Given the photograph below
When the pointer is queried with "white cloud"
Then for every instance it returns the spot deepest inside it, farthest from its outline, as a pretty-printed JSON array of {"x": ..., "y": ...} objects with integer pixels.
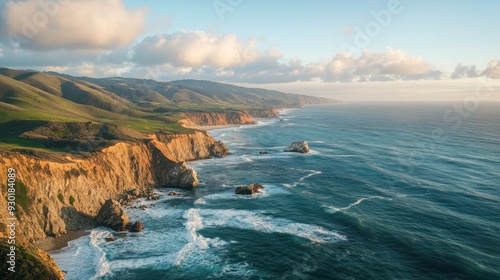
[
  {"x": 493, "y": 69},
  {"x": 195, "y": 49},
  {"x": 370, "y": 66},
  {"x": 75, "y": 24}
]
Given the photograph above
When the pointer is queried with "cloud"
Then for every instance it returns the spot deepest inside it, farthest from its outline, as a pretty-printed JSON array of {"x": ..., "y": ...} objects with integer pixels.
[
  {"x": 370, "y": 66},
  {"x": 195, "y": 49},
  {"x": 75, "y": 24},
  {"x": 464, "y": 71},
  {"x": 493, "y": 69},
  {"x": 226, "y": 58}
]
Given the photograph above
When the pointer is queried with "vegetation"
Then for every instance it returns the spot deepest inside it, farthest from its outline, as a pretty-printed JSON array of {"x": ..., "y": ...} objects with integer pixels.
[
  {"x": 71, "y": 200},
  {"x": 60, "y": 197},
  {"x": 35, "y": 105},
  {"x": 22, "y": 198},
  {"x": 29, "y": 263}
]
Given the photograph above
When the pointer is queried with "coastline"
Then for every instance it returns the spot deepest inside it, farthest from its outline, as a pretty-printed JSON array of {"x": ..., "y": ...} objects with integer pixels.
[
  {"x": 50, "y": 244},
  {"x": 212, "y": 127}
]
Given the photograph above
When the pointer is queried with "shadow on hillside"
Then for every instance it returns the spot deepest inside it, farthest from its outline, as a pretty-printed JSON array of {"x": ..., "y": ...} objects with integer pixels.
[{"x": 76, "y": 220}]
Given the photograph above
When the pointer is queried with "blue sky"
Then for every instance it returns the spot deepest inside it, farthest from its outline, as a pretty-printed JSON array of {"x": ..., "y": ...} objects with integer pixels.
[
  {"x": 443, "y": 32},
  {"x": 255, "y": 42}
]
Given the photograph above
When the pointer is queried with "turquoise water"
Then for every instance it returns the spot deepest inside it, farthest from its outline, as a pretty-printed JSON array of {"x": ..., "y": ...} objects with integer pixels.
[{"x": 388, "y": 191}]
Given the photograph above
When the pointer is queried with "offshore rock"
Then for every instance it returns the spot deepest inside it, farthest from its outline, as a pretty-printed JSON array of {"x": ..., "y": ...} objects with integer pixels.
[
  {"x": 136, "y": 227},
  {"x": 111, "y": 215},
  {"x": 298, "y": 147},
  {"x": 249, "y": 190}
]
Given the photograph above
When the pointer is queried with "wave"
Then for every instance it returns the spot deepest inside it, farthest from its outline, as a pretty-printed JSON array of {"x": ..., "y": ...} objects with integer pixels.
[
  {"x": 196, "y": 242},
  {"x": 85, "y": 250},
  {"x": 332, "y": 209},
  {"x": 302, "y": 179},
  {"x": 262, "y": 222}
]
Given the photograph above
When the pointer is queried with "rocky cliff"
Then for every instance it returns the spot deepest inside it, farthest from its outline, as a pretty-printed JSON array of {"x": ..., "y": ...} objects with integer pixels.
[
  {"x": 230, "y": 117},
  {"x": 58, "y": 193},
  {"x": 31, "y": 263}
]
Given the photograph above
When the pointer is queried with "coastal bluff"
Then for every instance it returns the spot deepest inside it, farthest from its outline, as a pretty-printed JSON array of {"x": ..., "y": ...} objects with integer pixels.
[
  {"x": 57, "y": 192},
  {"x": 228, "y": 117}
]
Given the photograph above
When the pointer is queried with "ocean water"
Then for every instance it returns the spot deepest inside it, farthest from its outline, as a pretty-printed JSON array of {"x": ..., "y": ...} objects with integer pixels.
[{"x": 388, "y": 191}]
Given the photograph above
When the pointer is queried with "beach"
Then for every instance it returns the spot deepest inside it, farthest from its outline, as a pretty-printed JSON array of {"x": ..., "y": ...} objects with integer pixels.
[{"x": 57, "y": 243}]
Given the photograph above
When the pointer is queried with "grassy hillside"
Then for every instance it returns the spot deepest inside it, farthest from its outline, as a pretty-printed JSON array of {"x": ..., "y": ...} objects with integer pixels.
[{"x": 39, "y": 109}]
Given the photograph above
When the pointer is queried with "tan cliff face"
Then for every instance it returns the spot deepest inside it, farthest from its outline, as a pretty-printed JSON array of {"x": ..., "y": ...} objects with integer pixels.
[
  {"x": 223, "y": 118},
  {"x": 219, "y": 118},
  {"x": 60, "y": 194}
]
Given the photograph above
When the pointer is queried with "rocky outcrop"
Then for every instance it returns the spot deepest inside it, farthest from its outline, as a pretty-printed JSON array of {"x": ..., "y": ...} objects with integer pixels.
[
  {"x": 249, "y": 190},
  {"x": 111, "y": 215},
  {"x": 188, "y": 147},
  {"x": 136, "y": 227},
  {"x": 298, "y": 147},
  {"x": 60, "y": 192},
  {"x": 219, "y": 118},
  {"x": 224, "y": 118},
  {"x": 264, "y": 113},
  {"x": 30, "y": 263}
]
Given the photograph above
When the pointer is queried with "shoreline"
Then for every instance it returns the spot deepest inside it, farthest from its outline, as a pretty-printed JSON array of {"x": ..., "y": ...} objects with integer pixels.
[
  {"x": 50, "y": 244},
  {"x": 212, "y": 127}
]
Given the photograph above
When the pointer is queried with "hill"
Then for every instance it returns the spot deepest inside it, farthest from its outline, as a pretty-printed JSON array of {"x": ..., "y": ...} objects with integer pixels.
[{"x": 32, "y": 102}]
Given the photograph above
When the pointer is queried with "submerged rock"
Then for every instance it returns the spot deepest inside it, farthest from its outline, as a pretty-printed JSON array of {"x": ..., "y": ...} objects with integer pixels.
[
  {"x": 110, "y": 239},
  {"x": 136, "y": 227},
  {"x": 298, "y": 147},
  {"x": 249, "y": 190},
  {"x": 111, "y": 215},
  {"x": 263, "y": 152}
]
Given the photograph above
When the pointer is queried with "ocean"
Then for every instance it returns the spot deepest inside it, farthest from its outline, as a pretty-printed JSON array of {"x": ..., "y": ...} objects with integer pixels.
[{"x": 388, "y": 191}]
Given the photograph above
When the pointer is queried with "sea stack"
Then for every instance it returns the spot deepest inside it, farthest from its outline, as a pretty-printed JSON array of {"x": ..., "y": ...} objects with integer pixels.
[
  {"x": 111, "y": 215},
  {"x": 298, "y": 147},
  {"x": 249, "y": 190}
]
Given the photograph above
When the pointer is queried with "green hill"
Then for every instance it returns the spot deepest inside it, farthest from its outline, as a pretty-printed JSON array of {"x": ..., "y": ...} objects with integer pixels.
[{"x": 38, "y": 108}]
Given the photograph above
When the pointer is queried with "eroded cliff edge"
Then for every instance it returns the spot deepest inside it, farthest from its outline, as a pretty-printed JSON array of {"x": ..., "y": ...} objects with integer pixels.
[
  {"x": 56, "y": 194},
  {"x": 228, "y": 117}
]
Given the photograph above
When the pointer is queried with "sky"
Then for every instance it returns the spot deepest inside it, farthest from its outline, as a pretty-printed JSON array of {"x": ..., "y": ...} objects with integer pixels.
[{"x": 327, "y": 48}]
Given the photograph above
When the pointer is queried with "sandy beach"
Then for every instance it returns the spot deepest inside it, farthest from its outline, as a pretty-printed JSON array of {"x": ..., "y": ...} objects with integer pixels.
[{"x": 56, "y": 243}]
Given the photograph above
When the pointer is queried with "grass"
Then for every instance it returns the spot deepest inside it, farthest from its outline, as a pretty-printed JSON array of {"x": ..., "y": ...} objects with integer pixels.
[
  {"x": 30, "y": 99},
  {"x": 22, "y": 198}
]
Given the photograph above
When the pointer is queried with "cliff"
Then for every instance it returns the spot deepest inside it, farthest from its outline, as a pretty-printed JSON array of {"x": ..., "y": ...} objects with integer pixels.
[
  {"x": 31, "y": 263},
  {"x": 229, "y": 117},
  {"x": 59, "y": 193}
]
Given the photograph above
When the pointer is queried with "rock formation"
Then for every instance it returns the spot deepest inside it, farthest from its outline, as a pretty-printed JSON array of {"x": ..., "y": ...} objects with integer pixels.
[
  {"x": 219, "y": 118},
  {"x": 249, "y": 190},
  {"x": 298, "y": 147},
  {"x": 229, "y": 117},
  {"x": 111, "y": 215},
  {"x": 136, "y": 227},
  {"x": 60, "y": 192}
]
